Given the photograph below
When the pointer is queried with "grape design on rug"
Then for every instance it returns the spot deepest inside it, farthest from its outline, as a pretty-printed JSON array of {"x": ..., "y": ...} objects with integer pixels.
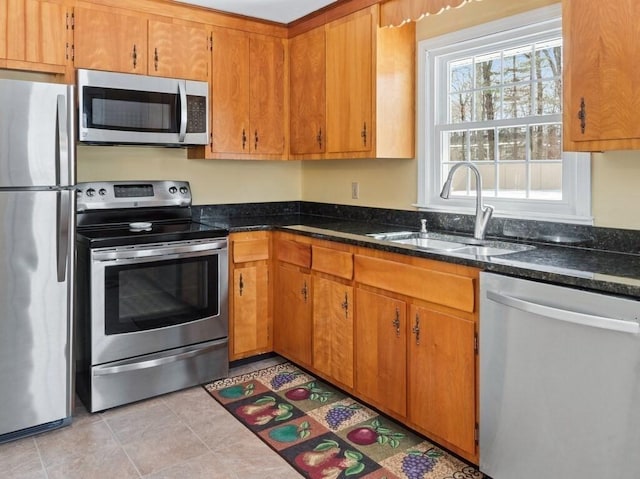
[{"x": 325, "y": 434}]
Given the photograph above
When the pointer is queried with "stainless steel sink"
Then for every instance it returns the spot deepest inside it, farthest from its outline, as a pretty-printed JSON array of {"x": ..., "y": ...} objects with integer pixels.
[{"x": 452, "y": 244}]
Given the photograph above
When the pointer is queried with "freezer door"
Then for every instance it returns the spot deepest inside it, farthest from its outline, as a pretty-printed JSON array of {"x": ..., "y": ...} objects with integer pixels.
[
  {"x": 35, "y": 307},
  {"x": 36, "y": 134}
]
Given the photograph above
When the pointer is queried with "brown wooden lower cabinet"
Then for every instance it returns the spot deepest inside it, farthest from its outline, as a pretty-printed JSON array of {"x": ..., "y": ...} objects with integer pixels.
[
  {"x": 249, "y": 295},
  {"x": 381, "y": 351},
  {"x": 333, "y": 330},
  {"x": 399, "y": 332},
  {"x": 441, "y": 376}
]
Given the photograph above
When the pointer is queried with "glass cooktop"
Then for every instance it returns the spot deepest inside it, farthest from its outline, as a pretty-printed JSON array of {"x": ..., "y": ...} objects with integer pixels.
[{"x": 159, "y": 232}]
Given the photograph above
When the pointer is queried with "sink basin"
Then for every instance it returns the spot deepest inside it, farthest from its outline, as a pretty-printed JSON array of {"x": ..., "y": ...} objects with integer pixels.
[
  {"x": 492, "y": 250},
  {"x": 453, "y": 244},
  {"x": 430, "y": 243}
]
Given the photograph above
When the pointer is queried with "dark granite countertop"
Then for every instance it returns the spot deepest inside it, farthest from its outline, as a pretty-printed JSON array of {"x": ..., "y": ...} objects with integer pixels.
[{"x": 580, "y": 267}]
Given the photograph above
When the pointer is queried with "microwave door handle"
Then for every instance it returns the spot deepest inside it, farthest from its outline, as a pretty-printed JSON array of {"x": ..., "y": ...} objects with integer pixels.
[{"x": 183, "y": 109}]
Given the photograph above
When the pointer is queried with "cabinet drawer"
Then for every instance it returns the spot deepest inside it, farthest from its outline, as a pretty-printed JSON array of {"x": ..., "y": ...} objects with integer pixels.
[
  {"x": 429, "y": 285},
  {"x": 330, "y": 261},
  {"x": 294, "y": 253},
  {"x": 252, "y": 250}
]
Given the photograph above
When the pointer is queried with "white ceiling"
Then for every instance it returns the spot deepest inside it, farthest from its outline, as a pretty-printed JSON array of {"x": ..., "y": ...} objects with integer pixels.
[{"x": 281, "y": 11}]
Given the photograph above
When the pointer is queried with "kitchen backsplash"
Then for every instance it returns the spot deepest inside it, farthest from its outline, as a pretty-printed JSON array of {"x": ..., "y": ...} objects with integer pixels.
[{"x": 609, "y": 239}]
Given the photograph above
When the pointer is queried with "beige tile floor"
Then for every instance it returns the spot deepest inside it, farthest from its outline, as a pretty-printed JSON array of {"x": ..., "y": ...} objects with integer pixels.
[{"x": 186, "y": 434}]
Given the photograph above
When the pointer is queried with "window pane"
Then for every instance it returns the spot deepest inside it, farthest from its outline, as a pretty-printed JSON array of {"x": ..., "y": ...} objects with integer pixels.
[
  {"x": 512, "y": 144},
  {"x": 513, "y": 180},
  {"x": 488, "y": 70},
  {"x": 517, "y": 65},
  {"x": 461, "y": 75},
  {"x": 546, "y": 181},
  {"x": 548, "y": 97},
  {"x": 482, "y": 145},
  {"x": 548, "y": 60},
  {"x": 488, "y": 172},
  {"x": 455, "y": 142},
  {"x": 487, "y": 105},
  {"x": 517, "y": 101},
  {"x": 546, "y": 142},
  {"x": 460, "y": 107}
]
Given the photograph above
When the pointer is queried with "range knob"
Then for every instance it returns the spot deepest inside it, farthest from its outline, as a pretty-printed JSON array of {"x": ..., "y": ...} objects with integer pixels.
[
  {"x": 91, "y": 192},
  {"x": 183, "y": 190},
  {"x": 173, "y": 190},
  {"x": 102, "y": 192}
]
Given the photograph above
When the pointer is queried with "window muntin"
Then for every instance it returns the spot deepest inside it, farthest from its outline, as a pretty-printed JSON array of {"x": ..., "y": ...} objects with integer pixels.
[{"x": 495, "y": 99}]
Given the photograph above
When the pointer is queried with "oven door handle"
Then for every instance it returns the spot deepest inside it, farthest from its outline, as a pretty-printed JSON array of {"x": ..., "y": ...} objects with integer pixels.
[
  {"x": 159, "y": 360},
  {"x": 164, "y": 251}
]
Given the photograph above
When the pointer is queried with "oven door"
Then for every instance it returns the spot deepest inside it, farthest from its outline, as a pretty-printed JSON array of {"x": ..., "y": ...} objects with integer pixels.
[{"x": 151, "y": 298}]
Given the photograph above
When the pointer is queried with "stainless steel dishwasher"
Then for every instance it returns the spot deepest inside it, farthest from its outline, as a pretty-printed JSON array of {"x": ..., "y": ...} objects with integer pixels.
[{"x": 559, "y": 382}]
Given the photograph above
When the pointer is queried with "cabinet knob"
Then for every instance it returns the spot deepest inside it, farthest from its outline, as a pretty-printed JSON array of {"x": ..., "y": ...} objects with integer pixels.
[
  {"x": 241, "y": 285},
  {"x": 319, "y": 138},
  {"x": 244, "y": 138},
  {"x": 255, "y": 146},
  {"x": 345, "y": 305},
  {"x": 363, "y": 134},
  {"x": 582, "y": 115},
  {"x": 304, "y": 291},
  {"x": 396, "y": 323},
  {"x": 156, "y": 58},
  {"x": 416, "y": 329},
  {"x": 134, "y": 55}
]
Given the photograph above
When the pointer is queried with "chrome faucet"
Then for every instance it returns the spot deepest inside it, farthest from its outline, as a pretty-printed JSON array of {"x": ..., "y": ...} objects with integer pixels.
[{"x": 483, "y": 212}]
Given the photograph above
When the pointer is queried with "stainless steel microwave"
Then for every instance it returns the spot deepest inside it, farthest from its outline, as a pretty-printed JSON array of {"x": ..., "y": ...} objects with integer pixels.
[{"x": 120, "y": 108}]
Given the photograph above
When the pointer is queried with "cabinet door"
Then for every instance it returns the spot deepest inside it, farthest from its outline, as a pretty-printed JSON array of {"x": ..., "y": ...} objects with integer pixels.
[
  {"x": 230, "y": 91},
  {"x": 292, "y": 314},
  {"x": 266, "y": 93},
  {"x": 333, "y": 330},
  {"x": 602, "y": 48},
  {"x": 349, "y": 83},
  {"x": 250, "y": 313},
  {"x": 34, "y": 31},
  {"x": 442, "y": 376},
  {"x": 381, "y": 350},
  {"x": 110, "y": 41},
  {"x": 178, "y": 51},
  {"x": 307, "y": 93}
]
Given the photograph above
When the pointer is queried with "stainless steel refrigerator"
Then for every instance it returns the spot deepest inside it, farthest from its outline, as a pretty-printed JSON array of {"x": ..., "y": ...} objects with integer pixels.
[{"x": 37, "y": 238}]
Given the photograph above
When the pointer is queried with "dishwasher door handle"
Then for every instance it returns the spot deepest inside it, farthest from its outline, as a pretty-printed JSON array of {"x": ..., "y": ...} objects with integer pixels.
[{"x": 566, "y": 315}]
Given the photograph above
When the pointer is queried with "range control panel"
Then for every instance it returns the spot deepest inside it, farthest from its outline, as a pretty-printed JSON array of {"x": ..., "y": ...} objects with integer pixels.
[{"x": 104, "y": 195}]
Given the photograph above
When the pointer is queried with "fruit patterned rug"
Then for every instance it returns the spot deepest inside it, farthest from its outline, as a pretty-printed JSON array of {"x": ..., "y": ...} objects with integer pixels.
[{"x": 325, "y": 434}]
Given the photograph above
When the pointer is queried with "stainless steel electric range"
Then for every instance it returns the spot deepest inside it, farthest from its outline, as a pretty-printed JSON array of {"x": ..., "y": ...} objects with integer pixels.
[{"x": 152, "y": 312}]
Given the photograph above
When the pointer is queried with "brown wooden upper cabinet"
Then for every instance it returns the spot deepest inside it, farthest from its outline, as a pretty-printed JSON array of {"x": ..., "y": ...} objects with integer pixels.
[
  {"x": 247, "y": 96},
  {"x": 601, "y": 71},
  {"x": 133, "y": 43},
  {"x": 369, "y": 90},
  {"x": 106, "y": 40},
  {"x": 307, "y": 93},
  {"x": 33, "y": 35},
  {"x": 178, "y": 50}
]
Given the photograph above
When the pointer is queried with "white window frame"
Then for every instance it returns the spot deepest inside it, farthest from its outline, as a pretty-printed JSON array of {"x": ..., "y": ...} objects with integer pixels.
[{"x": 575, "y": 207}]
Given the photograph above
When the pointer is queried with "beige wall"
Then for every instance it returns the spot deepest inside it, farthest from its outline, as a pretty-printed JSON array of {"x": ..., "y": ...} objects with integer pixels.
[
  {"x": 392, "y": 183},
  {"x": 212, "y": 181},
  {"x": 383, "y": 183}
]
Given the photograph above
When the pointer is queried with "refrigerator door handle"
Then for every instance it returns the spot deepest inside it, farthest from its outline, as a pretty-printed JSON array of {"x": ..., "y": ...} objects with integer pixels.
[
  {"x": 62, "y": 142},
  {"x": 63, "y": 217}
]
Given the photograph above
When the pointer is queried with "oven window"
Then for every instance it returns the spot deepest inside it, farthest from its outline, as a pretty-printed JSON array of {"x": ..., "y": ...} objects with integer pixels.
[{"x": 145, "y": 296}]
